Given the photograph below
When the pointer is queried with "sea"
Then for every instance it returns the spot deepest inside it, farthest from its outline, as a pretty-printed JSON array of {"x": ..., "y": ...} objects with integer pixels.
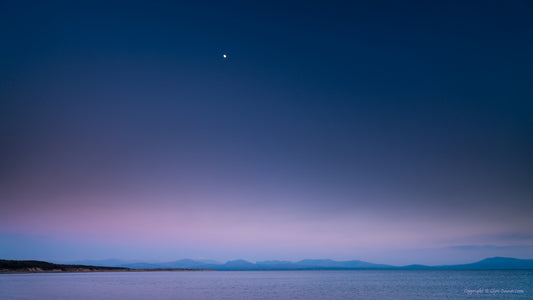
[{"x": 317, "y": 284}]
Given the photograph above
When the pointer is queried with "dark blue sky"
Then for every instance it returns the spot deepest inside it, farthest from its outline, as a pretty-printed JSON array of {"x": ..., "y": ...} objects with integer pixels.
[{"x": 379, "y": 125}]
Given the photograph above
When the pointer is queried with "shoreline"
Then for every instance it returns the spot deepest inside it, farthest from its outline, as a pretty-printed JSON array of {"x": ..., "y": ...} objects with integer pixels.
[{"x": 34, "y": 271}]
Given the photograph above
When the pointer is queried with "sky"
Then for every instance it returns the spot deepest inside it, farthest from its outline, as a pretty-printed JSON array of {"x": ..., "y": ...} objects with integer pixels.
[{"x": 390, "y": 131}]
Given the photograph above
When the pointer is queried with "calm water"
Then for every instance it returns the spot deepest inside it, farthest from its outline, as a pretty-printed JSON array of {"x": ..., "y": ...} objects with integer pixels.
[{"x": 271, "y": 285}]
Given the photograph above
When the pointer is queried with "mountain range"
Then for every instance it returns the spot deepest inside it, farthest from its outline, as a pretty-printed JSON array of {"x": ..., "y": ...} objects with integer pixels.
[{"x": 494, "y": 263}]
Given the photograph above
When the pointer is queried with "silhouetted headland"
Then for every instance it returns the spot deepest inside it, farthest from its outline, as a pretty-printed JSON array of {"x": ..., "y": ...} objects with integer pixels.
[{"x": 35, "y": 266}]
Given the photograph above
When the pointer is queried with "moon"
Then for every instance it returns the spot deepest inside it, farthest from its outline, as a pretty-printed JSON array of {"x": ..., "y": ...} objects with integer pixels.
[{"x": 224, "y": 56}]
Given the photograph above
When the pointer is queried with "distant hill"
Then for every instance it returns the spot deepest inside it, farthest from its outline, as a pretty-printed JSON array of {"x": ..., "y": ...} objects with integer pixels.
[
  {"x": 416, "y": 267},
  {"x": 102, "y": 262},
  {"x": 494, "y": 263},
  {"x": 331, "y": 264},
  {"x": 234, "y": 265},
  {"x": 328, "y": 264},
  {"x": 138, "y": 266},
  {"x": 189, "y": 264}
]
